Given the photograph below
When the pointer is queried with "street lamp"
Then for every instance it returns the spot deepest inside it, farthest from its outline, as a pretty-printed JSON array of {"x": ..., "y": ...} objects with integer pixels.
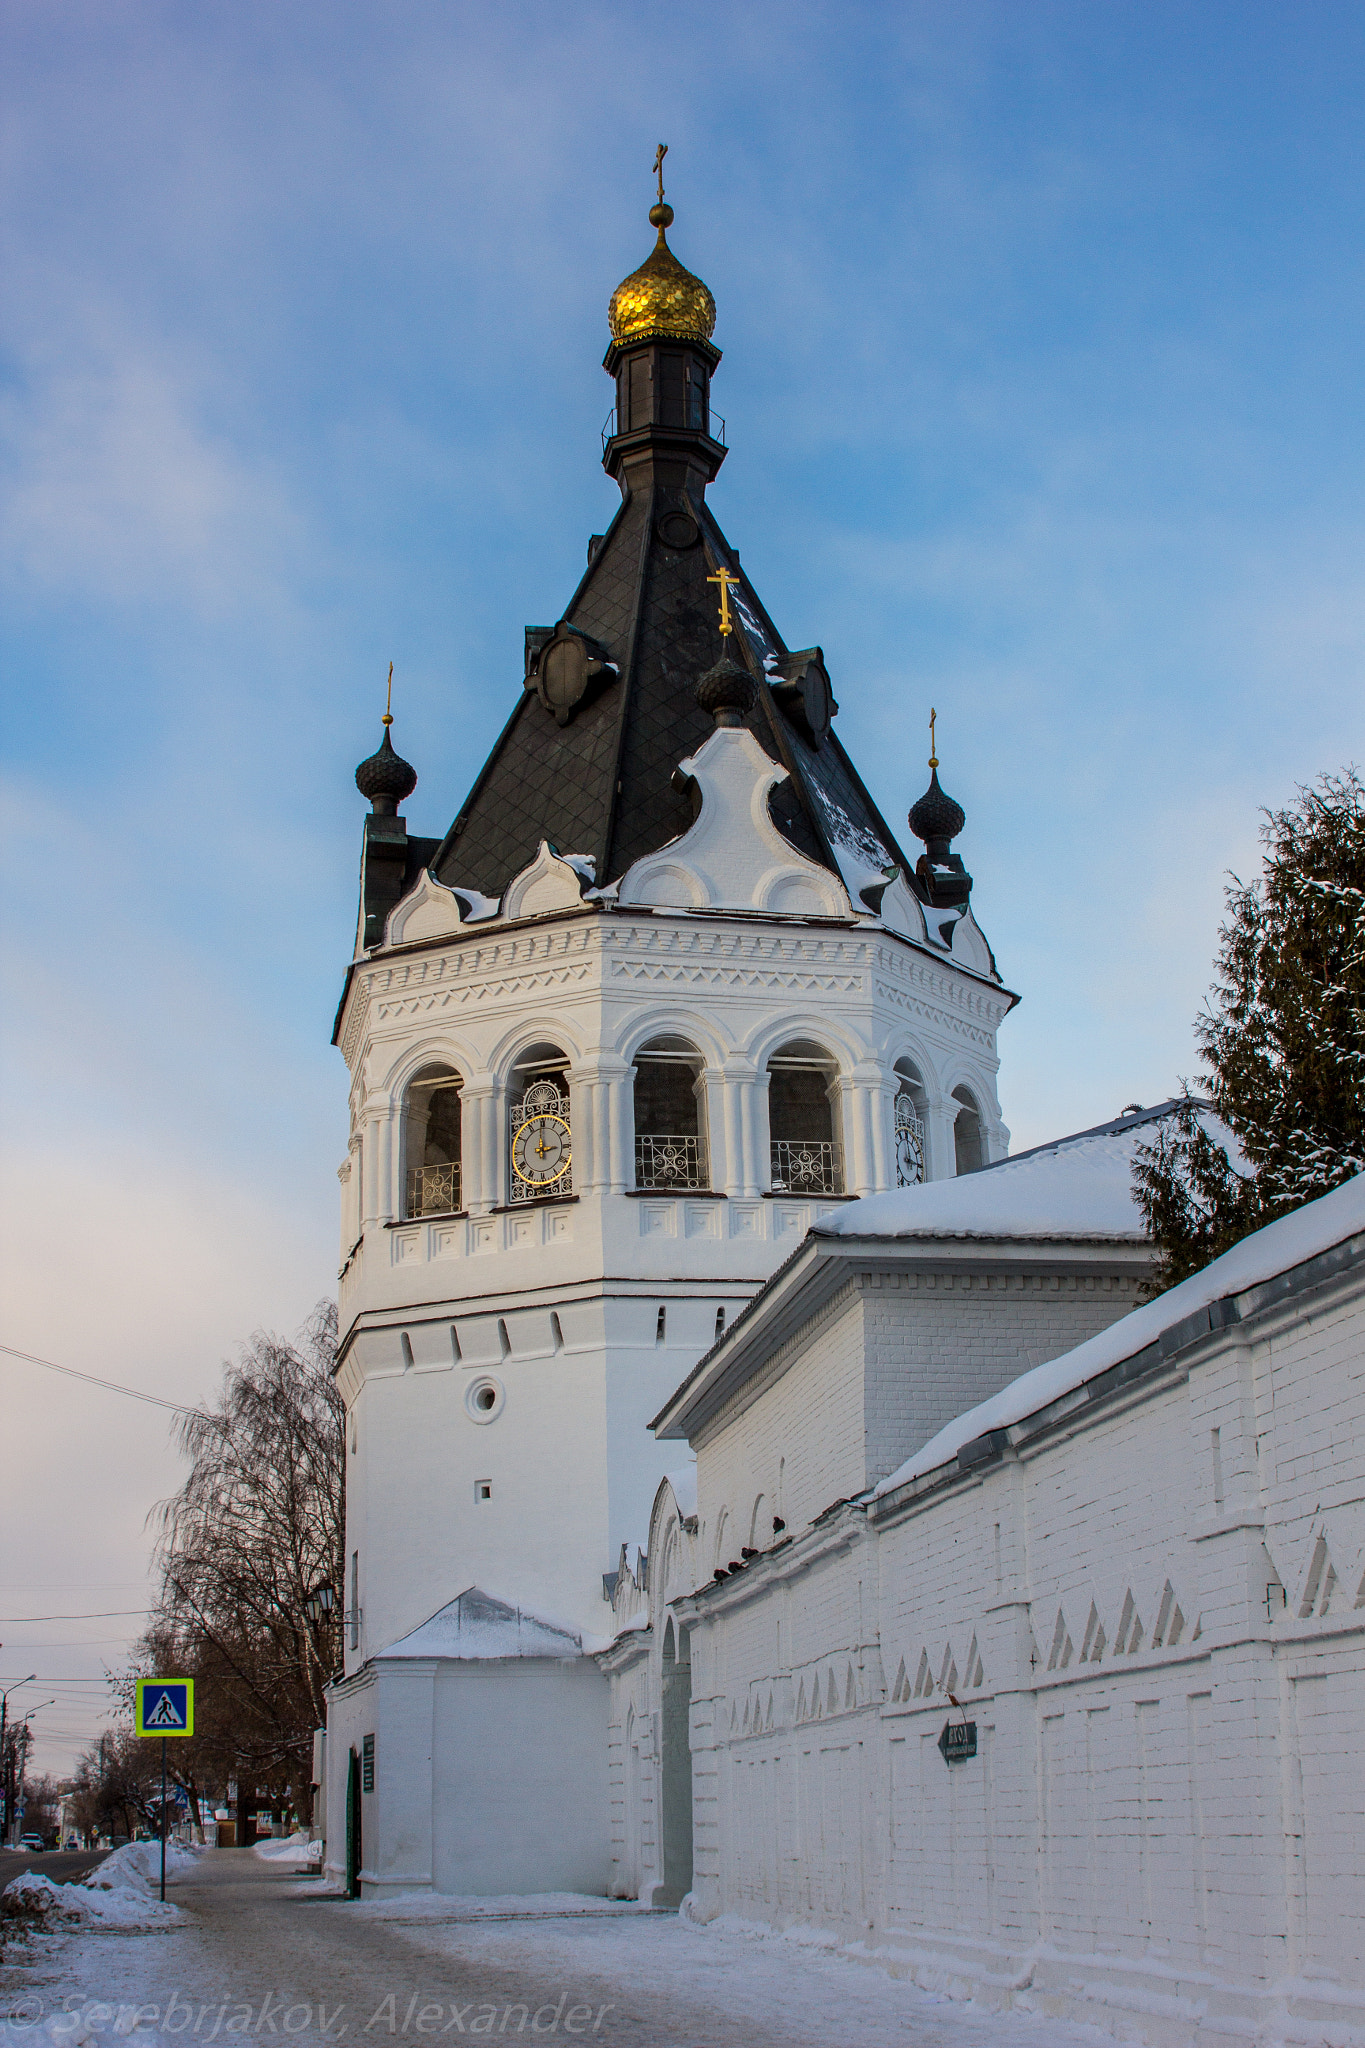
[
  {"x": 319, "y": 1602},
  {"x": 4, "y": 1769}
]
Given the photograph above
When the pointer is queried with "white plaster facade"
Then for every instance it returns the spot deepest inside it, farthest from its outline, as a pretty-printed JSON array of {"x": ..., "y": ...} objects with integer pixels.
[
  {"x": 1139, "y": 1573},
  {"x": 500, "y": 1362}
]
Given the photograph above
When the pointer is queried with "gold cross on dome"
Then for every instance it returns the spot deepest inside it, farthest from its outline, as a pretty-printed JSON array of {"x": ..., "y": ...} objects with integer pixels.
[
  {"x": 660, "y": 153},
  {"x": 724, "y": 579},
  {"x": 933, "y": 744},
  {"x": 388, "y": 708}
]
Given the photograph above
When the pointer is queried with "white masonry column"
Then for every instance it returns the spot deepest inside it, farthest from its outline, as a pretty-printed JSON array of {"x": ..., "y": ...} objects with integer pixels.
[
  {"x": 711, "y": 1101},
  {"x": 940, "y": 1117},
  {"x": 859, "y": 1099},
  {"x": 616, "y": 1083},
  {"x": 583, "y": 1132},
  {"x": 387, "y": 1207},
  {"x": 475, "y": 1108},
  {"x": 370, "y": 1182},
  {"x": 883, "y": 1137},
  {"x": 742, "y": 1173}
]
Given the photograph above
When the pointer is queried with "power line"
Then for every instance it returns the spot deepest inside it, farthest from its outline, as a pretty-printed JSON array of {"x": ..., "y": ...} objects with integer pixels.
[
  {"x": 101, "y": 1614},
  {"x": 110, "y": 1386}
]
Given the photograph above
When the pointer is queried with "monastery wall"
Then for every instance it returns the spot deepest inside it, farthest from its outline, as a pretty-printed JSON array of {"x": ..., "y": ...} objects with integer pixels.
[{"x": 1153, "y": 1613}]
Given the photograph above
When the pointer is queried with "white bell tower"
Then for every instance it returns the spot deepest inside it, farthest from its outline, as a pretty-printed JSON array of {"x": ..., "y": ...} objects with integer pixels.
[{"x": 667, "y": 993}]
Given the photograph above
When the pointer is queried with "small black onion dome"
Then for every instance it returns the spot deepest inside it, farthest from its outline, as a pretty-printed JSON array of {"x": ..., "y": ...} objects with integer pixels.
[
  {"x": 727, "y": 691},
  {"x": 936, "y": 818},
  {"x": 386, "y": 778}
]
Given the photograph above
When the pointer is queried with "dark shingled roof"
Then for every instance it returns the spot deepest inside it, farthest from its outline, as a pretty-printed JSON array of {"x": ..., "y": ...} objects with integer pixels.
[{"x": 603, "y": 784}]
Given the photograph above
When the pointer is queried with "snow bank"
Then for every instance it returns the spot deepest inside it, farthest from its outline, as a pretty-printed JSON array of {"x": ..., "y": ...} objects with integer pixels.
[
  {"x": 1315, "y": 1228},
  {"x": 296, "y": 1848},
  {"x": 120, "y": 1894},
  {"x": 136, "y": 1868},
  {"x": 469, "y": 1908}
]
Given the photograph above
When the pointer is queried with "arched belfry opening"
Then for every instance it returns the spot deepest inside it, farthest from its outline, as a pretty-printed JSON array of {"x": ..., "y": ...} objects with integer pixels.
[
  {"x": 802, "y": 1126},
  {"x": 910, "y": 1115},
  {"x": 670, "y": 1121},
  {"x": 539, "y": 1126},
  {"x": 675, "y": 1767},
  {"x": 969, "y": 1138},
  {"x": 431, "y": 1142}
]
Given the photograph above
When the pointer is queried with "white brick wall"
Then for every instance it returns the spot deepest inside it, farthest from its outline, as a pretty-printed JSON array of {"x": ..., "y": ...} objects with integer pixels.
[{"x": 1167, "y": 1808}]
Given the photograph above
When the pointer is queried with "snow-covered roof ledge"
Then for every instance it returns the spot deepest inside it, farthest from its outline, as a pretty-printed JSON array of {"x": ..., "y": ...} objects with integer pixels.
[
  {"x": 476, "y": 1625},
  {"x": 1244, "y": 1280},
  {"x": 1070, "y": 1200}
]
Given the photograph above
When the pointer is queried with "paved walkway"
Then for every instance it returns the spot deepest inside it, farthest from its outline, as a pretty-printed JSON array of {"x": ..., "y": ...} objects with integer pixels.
[
  {"x": 63, "y": 1866},
  {"x": 262, "y": 1954}
]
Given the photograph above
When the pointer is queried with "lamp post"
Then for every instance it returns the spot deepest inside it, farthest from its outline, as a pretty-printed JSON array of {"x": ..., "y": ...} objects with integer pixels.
[{"x": 4, "y": 1752}]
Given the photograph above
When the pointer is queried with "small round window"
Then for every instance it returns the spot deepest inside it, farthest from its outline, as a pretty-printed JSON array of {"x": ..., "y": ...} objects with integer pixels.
[{"x": 484, "y": 1397}]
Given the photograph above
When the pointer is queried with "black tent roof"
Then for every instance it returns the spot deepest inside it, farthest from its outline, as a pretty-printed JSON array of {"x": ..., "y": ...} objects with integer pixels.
[{"x": 603, "y": 785}]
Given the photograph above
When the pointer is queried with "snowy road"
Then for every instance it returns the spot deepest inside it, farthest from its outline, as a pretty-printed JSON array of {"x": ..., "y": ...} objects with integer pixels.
[{"x": 263, "y": 1955}]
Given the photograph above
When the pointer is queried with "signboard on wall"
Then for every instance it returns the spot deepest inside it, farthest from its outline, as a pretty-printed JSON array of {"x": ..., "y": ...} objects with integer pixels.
[{"x": 958, "y": 1741}]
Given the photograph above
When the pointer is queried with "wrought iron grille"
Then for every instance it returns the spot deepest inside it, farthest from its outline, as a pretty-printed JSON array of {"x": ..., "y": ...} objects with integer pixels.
[
  {"x": 909, "y": 1143},
  {"x": 804, "y": 1166},
  {"x": 433, "y": 1190},
  {"x": 542, "y": 1098},
  {"x": 669, "y": 1163}
]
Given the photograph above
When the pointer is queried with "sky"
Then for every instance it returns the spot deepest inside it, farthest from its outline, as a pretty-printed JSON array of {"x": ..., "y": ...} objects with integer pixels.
[{"x": 1043, "y": 380}]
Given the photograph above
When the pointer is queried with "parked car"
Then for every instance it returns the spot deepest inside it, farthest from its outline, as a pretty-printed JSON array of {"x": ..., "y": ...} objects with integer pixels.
[{"x": 33, "y": 1843}]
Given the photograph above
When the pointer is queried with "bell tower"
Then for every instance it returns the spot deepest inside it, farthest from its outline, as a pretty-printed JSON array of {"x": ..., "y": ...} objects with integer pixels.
[{"x": 666, "y": 992}]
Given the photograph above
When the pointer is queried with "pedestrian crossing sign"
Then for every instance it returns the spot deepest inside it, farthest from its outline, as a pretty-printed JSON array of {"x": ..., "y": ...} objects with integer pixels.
[{"x": 165, "y": 1706}]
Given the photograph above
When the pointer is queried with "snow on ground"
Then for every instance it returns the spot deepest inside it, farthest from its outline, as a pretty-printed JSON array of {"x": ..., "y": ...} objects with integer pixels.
[
  {"x": 655, "y": 1980},
  {"x": 296, "y": 1849}
]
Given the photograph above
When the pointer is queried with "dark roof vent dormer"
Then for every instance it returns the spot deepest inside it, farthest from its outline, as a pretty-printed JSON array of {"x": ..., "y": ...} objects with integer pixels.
[{"x": 567, "y": 670}]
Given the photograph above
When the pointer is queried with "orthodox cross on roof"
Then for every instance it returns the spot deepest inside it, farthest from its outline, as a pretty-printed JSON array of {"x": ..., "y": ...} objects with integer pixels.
[
  {"x": 388, "y": 702},
  {"x": 933, "y": 744},
  {"x": 660, "y": 153},
  {"x": 724, "y": 579}
]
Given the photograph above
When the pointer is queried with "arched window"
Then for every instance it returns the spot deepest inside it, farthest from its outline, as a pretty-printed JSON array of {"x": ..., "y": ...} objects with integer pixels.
[
  {"x": 539, "y": 1135},
  {"x": 969, "y": 1148},
  {"x": 431, "y": 1142},
  {"x": 670, "y": 1135},
  {"x": 909, "y": 1116},
  {"x": 804, "y": 1143}
]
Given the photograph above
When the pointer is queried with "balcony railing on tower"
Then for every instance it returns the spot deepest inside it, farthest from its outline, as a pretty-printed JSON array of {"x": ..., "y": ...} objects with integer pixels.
[
  {"x": 669, "y": 1162},
  {"x": 433, "y": 1190},
  {"x": 804, "y": 1166}
]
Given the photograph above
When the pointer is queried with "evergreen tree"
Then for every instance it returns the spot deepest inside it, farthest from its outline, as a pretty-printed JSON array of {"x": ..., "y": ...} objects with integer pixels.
[{"x": 1283, "y": 1041}]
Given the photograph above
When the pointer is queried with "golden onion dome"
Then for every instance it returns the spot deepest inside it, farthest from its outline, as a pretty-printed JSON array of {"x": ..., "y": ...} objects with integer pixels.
[{"x": 661, "y": 300}]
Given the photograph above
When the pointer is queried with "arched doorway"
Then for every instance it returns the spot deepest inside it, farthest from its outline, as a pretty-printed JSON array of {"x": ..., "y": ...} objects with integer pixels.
[{"x": 675, "y": 1768}]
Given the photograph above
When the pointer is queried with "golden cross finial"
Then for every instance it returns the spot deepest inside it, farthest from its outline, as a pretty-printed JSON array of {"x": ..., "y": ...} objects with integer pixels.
[
  {"x": 660, "y": 153},
  {"x": 724, "y": 579},
  {"x": 933, "y": 745},
  {"x": 388, "y": 708}
]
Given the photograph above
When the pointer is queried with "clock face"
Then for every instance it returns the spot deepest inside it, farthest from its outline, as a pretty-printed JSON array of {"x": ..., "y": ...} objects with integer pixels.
[
  {"x": 907, "y": 1158},
  {"x": 541, "y": 1150}
]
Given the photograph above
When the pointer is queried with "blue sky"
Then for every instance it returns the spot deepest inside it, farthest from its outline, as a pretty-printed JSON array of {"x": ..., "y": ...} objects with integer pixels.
[{"x": 1043, "y": 375}]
